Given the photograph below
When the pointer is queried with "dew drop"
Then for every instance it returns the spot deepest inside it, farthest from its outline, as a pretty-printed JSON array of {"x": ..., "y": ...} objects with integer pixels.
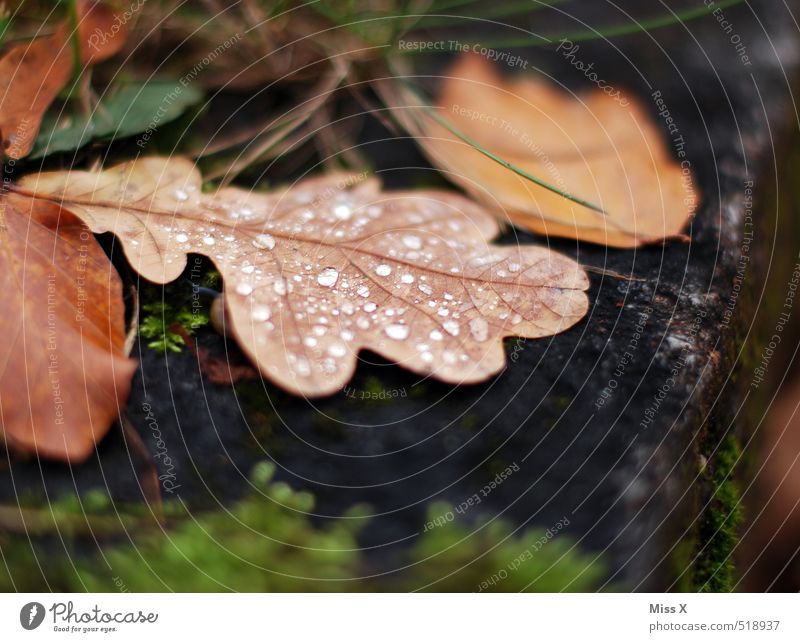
[
  {"x": 369, "y": 306},
  {"x": 260, "y": 313},
  {"x": 435, "y": 335},
  {"x": 310, "y": 342},
  {"x": 328, "y": 277},
  {"x": 383, "y": 270},
  {"x": 363, "y": 291},
  {"x": 302, "y": 367},
  {"x": 425, "y": 288},
  {"x": 181, "y": 238},
  {"x": 280, "y": 287},
  {"x": 397, "y": 332},
  {"x": 244, "y": 288},
  {"x": 479, "y": 328},
  {"x": 264, "y": 241},
  {"x": 208, "y": 240},
  {"x": 342, "y": 212},
  {"x": 248, "y": 269},
  {"x": 407, "y": 278},
  {"x": 337, "y": 350},
  {"x": 412, "y": 242},
  {"x": 181, "y": 195},
  {"x": 451, "y": 327}
]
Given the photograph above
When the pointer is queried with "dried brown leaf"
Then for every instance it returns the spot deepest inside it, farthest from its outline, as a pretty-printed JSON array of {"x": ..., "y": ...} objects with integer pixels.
[
  {"x": 63, "y": 374},
  {"x": 319, "y": 271},
  {"x": 600, "y": 147},
  {"x": 32, "y": 74}
]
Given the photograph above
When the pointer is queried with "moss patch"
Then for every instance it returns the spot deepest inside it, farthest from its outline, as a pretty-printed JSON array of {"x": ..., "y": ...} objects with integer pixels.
[
  {"x": 266, "y": 542},
  {"x": 714, "y": 568}
]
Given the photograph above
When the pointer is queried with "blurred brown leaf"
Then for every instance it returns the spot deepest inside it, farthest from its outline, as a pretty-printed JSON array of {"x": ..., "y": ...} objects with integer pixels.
[
  {"x": 64, "y": 377},
  {"x": 33, "y": 74},
  {"x": 600, "y": 147},
  {"x": 333, "y": 265}
]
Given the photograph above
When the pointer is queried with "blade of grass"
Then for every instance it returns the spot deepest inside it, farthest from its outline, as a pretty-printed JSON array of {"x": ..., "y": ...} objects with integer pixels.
[
  {"x": 502, "y": 11},
  {"x": 431, "y": 111},
  {"x": 612, "y": 31},
  {"x": 621, "y": 29}
]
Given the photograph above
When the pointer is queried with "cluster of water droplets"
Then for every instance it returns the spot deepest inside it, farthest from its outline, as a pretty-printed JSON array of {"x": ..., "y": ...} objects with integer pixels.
[{"x": 338, "y": 274}]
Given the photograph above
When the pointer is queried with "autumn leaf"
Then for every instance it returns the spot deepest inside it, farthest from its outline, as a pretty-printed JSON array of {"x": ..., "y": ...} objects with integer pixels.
[
  {"x": 63, "y": 374},
  {"x": 601, "y": 148},
  {"x": 32, "y": 74},
  {"x": 333, "y": 265}
]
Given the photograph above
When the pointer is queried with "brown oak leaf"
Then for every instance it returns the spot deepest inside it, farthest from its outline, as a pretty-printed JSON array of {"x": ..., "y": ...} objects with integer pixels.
[
  {"x": 332, "y": 265},
  {"x": 601, "y": 147},
  {"x": 32, "y": 74},
  {"x": 63, "y": 373}
]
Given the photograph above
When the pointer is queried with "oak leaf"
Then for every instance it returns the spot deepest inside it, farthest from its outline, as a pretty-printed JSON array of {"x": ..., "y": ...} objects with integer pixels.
[
  {"x": 319, "y": 271},
  {"x": 600, "y": 147},
  {"x": 63, "y": 373},
  {"x": 32, "y": 74}
]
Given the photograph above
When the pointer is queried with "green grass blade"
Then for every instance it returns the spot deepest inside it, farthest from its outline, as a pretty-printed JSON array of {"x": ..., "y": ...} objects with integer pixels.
[{"x": 497, "y": 159}]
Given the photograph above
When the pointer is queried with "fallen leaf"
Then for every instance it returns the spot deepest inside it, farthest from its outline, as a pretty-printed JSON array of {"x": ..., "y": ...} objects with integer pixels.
[
  {"x": 598, "y": 147},
  {"x": 319, "y": 271},
  {"x": 63, "y": 374},
  {"x": 32, "y": 74},
  {"x": 132, "y": 108}
]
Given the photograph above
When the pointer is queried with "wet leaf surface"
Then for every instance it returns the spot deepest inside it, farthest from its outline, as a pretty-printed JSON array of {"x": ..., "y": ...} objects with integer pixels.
[{"x": 319, "y": 271}]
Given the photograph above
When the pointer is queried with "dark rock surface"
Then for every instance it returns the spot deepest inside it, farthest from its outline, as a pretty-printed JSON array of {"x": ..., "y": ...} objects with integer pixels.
[{"x": 613, "y": 424}]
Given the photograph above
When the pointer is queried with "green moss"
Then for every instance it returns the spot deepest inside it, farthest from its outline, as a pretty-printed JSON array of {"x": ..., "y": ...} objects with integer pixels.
[
  {"x": 266, "y": 542},
  {"x": 164, "y": 308},
  {"x": 487, "y": 558},
  {"x": 714, "y": 569}
]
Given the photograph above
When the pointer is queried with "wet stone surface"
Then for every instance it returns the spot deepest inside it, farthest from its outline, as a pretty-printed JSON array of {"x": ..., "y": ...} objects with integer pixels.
[{"x": 609, "y": 424}]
